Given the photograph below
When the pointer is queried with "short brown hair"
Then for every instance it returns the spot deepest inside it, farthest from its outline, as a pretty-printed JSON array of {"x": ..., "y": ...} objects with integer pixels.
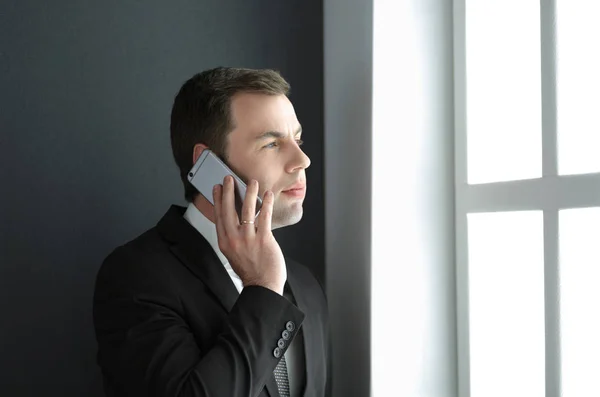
[{"x": 202, "y": 111}]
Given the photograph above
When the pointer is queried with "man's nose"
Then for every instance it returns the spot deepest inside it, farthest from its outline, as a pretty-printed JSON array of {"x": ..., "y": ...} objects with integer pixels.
[{"x": 300, "y": 160}]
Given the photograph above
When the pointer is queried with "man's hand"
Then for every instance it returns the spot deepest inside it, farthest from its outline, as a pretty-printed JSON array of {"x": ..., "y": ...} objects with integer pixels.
[{"x": 251, "y": 249}]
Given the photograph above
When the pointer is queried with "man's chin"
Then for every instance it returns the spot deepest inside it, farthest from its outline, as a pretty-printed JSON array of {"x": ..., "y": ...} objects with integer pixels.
[{"x": 288, "y": 218}]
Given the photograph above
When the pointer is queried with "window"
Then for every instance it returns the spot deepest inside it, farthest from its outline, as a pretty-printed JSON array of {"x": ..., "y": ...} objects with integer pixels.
[
  {"x": 527, "y": 95},
  {"x": 579, "y": 270},
  {"x": 506, "y": 303},
  {"x": 578, "y": 86}
]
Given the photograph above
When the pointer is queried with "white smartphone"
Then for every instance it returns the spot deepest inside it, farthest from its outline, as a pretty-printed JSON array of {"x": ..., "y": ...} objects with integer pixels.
[{"x": 209, "y": 171}]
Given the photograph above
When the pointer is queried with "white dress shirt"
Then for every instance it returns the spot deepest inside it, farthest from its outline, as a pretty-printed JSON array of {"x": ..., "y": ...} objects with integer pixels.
[
  {"x": 293, "y": 356},
  {"x": 209, "y": 231}
]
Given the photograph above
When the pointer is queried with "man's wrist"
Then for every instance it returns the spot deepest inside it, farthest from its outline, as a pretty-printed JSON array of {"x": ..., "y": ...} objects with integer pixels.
[{"x": 275, "y": 287}]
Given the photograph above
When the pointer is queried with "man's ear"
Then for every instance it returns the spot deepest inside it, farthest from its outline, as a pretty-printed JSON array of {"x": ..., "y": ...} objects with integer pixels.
[{"x": 198, "y": 149}]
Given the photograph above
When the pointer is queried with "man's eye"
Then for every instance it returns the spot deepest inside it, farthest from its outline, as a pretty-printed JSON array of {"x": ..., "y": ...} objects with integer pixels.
[{"x": 273, "y": 144}]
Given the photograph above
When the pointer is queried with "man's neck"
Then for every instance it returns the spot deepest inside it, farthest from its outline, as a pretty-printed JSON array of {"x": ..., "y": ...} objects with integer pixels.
[{"x": 205, "y": 207}]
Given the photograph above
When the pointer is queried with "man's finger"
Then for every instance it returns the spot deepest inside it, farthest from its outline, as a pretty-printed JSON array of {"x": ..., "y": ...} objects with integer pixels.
[
  {"x": 266, "y": 212},
  {"x": 228, "y": 213},
  {"x": 249, "y": 206},
  {"x": 217, "y": 197}
]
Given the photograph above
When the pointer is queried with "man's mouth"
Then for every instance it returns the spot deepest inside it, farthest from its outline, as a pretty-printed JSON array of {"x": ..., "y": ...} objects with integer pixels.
[{"x": 297, "y": 190}]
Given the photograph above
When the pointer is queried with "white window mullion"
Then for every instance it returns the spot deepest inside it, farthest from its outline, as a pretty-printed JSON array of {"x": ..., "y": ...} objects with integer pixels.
[
  {"x": 462, "y": 298},
  {"x": 548, "y": 73},
  {"x": 552, "y": 303},
  {"x": 460, "y": 169},
  {"x": 548, "y": 193},
  {"x": 550, "y": 170}
]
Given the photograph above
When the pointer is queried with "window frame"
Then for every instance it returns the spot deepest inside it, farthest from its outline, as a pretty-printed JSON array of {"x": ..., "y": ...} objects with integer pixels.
[{"x": 550, "y": 193}]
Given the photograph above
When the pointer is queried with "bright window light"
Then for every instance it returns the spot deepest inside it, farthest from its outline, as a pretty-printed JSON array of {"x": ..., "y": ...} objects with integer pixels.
[
  {"x": 579, "y": 232},
  {"x": 506, "y": 304},
  {"x": 503, "y": 90},
  {"x": 578, "y": 86}
]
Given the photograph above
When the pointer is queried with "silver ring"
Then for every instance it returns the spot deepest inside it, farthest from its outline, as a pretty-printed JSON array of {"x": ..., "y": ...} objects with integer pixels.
[{"x": 247, "y": 222}]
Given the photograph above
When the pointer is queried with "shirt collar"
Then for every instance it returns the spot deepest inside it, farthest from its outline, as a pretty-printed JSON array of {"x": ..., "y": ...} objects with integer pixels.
[
  {"x": 206, "y": 228},
  {"x": 209, "y": 231}
]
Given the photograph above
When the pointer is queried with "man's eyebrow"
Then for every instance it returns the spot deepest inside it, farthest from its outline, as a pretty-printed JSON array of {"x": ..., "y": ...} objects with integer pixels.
[{"x": 276, "y": 134}]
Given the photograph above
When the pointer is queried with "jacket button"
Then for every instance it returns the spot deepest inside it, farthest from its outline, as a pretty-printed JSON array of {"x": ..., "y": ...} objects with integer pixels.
[
  {"x": 286, "y": 335},
  {"x": 277, "y": 352},
  {"x": 290, "y": 326},
  {"x": 281, "y": 343}
]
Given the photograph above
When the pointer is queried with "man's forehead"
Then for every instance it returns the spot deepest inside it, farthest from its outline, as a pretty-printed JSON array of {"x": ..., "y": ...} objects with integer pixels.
[
  {"x": 262, "y": 105},
  {"x": 261, "y": 113}
]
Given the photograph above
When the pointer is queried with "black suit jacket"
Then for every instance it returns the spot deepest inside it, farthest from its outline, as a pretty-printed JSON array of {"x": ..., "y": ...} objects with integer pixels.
[{"x": 170, "y": 323}]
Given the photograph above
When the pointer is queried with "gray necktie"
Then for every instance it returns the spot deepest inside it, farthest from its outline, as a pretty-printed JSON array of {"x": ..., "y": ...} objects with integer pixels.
[{"x": 281, "y": 377}]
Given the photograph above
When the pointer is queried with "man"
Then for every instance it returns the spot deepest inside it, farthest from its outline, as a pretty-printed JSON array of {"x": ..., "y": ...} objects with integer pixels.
[{"x": 204, "y": 304}]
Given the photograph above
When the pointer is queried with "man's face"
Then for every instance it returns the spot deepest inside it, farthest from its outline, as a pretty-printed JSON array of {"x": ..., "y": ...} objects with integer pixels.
[{"x": 265, "y": 145}]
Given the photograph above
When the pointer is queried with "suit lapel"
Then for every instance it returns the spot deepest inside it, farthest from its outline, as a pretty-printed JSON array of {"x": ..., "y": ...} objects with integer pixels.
[
  {"x": 197, "y": 255},
  {"x": 271, "y": 386}
]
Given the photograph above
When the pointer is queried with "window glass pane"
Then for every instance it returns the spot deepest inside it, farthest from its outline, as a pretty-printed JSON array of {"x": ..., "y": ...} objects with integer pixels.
[
  {"x": 506, "y": 304},
  {"x": 578, "y": 85},
  {"x": 580, "y": 301},
  {"x": 503, "y": 90}
]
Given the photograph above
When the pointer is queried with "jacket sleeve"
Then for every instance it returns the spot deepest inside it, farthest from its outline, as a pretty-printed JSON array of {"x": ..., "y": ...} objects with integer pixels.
[{"x": 145, "y": 347}]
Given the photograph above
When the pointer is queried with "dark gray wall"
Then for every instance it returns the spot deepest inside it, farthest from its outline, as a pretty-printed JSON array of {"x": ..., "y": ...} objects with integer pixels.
[{"x": 85, "y": 96}]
